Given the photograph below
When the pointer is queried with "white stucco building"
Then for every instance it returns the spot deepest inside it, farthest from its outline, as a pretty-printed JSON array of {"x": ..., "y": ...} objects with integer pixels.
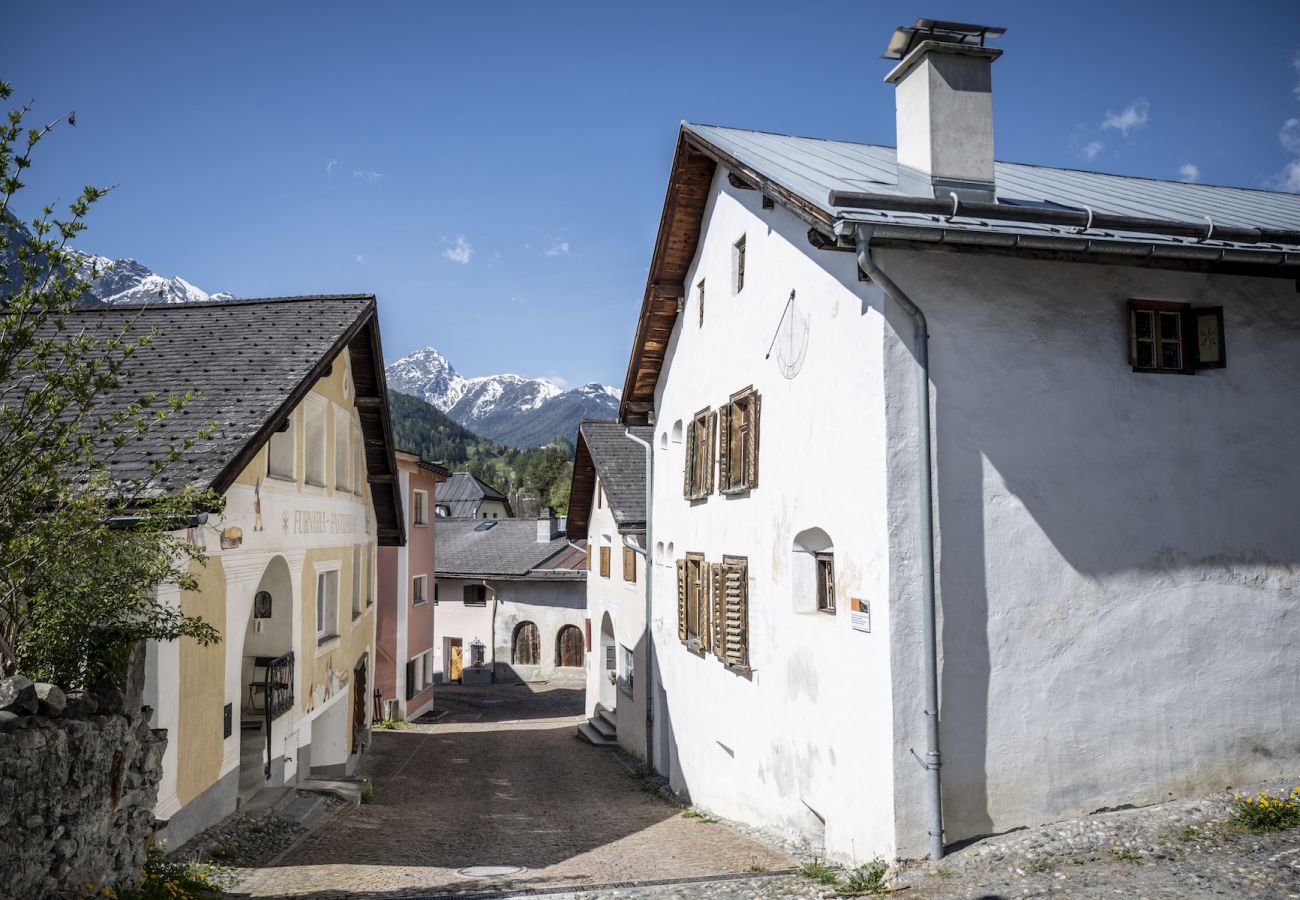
[
  {"x": 509, "y": 602},
  {"x": 1101, "y": 455},
  {"x": 607, "y": 504}
]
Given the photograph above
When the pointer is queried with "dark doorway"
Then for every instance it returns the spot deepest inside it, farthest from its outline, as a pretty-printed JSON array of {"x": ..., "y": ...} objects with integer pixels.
[
  {"x": 360, "y": 691},
  {"x": 568, "y": 646},
  {"x": 527, "y": 647}
]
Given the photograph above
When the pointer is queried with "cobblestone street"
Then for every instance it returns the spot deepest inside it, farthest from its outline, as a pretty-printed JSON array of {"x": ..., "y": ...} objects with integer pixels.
[{"x": 502, "y": 781}]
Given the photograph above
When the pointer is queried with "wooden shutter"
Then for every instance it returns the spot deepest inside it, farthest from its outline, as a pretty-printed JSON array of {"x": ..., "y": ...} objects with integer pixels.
[
  {"x": 724, "y": 445},
  {"x": 629, "y": 564},
  {"x": 1204, "y": 329},
  {"x": 717, "y": 609},
  {"x": 710, "y": 449},
  {"x": 736, "y": 611},
  {"x": 604, "y": 562},
  {"x": 588, "y": 557},
  {"x": 681, "y": 599},
  {"x": 751, "y": 476},
  {"x": 688, "y": 486}
]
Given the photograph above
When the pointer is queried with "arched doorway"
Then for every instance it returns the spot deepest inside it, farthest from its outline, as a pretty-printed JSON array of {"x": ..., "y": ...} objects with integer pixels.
[
  {"x": 526, "y": 646},
  {"x": 607, "y": 660},
  {"x": 568, "y": 647},
  {"x": 266, "y": 680}
]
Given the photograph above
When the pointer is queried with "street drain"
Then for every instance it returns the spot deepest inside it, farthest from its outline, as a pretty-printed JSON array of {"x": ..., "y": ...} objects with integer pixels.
[{"x": 489, "y": 871}]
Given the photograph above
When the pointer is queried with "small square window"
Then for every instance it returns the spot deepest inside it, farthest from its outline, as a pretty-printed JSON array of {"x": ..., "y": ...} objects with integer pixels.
[
  {"x": 826, "y": 582},
  {"x": 420, "y": 589},
  {"x": 475, "y": 595},
  {"x": 1160, "y": 336}
]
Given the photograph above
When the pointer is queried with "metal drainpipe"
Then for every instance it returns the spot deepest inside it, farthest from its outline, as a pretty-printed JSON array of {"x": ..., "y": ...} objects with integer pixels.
[
  {"x": 862, "y": 238},
  {"x": 649, "y": 576}
]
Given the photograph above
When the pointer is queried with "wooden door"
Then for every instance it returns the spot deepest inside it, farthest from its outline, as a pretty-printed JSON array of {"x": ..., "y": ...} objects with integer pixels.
[
  {"x": 568, "y": 651},
  {"x": 456, "y": 659},
  {"x": 360, "y": 691}
]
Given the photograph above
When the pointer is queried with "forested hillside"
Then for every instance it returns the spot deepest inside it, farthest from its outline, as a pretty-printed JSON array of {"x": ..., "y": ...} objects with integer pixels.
[{"x": 536, "y": 477}]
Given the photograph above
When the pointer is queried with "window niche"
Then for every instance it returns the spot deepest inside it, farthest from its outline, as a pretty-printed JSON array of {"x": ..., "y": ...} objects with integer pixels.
[
  {"x": 314, "y": 443},
  {"x": 1173, "y": 338},
  {"x": 812, "y": 572},
  {"x": 282, "y": 452}
]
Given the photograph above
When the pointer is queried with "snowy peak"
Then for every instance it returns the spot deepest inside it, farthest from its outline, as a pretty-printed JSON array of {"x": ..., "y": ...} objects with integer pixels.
[
  {"x": 126, "y": 281},
  {"x": 507, "y": 408}
]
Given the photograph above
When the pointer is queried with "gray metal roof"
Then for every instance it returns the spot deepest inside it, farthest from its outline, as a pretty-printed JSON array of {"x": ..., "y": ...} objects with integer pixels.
[
  {"x": 508, "y": 548},
  {"x": 462, "y": 494},
  {"x": 812, "y": 169}
]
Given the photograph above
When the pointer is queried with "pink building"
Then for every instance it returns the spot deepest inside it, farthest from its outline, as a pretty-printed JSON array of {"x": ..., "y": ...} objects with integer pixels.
[{"x": 404, "y": 630}]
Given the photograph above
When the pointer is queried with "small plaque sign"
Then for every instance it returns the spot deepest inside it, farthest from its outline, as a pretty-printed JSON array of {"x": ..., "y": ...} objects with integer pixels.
[{"x": 860, "y": 614}]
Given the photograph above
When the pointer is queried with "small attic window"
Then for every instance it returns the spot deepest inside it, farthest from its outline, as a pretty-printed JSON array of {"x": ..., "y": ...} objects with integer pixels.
[
  {"x": 738, "y": 264},
  {"x": 484, "y": 526}
]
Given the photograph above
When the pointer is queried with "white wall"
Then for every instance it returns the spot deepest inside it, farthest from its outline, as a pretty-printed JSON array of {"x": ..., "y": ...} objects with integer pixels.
[
  {"x": 1117, "y": 555},
  {"x": 453, "y": 619},
  {"x": 808, "y": 735},
  {"x": 624, "y": 601},
  {"x": 550, "y": 605}
]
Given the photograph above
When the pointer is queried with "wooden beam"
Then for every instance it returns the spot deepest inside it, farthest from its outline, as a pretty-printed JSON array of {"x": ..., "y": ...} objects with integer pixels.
[
  {"x": 668, "y": 291},
  {"x": 370, "y": 402},
  {"x": 380, "y": 478},
  {"x": 737, "y": 182}
]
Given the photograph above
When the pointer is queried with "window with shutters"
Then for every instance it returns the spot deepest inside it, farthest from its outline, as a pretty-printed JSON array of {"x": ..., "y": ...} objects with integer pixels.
[
  {"x": 604, "y": 561},
  {"x": 629, "y": 564},
  {"x": 701, "y": 441},
  {"x": 693, "y": 600},
  {"x": 1174, "y": 338},
  {"x": 825, "y": 563},
  {"x": 738, "y": 427}
]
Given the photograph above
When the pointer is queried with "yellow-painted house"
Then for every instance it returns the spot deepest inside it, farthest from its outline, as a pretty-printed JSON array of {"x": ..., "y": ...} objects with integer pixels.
[{"x": 303, "y": 454}]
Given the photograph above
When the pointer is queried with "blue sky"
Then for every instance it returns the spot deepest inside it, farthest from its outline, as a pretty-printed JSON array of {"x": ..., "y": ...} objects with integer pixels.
[{"x": 495, "y": 172}]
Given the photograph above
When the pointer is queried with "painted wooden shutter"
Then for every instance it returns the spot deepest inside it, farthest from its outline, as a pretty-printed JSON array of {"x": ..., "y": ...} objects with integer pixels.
[
  {"x": 724, "y": 445},
  {"x": 736, "y": 612},
  {"x": 687, "y": 485},
  {"x": 681, "y": 599},
  {"x": 751, "y": 476}
]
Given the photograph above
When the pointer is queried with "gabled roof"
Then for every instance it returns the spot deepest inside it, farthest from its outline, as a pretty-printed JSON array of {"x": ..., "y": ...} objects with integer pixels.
[
  {"x": 462, "y": 494},
  {"x": 496, "y": 548},
  {"x": 438, "y": 470},
  {"x": 253, "y": 362},
  {"x": 604, "y": 450},
  {"x": 1041, "y": 212}
]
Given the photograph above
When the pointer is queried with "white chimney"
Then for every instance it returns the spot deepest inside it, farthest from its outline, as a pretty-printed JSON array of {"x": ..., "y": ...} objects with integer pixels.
[
  {"x": 943, "y": 93},
  {"x": 546, "y": 525}
]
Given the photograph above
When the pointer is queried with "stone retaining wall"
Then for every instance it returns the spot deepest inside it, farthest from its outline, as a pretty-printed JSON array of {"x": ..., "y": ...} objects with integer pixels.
[{"x": 78, "y": 782}]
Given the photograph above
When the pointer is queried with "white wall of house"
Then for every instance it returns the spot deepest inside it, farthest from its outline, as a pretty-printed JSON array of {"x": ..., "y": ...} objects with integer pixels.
[
  {"x": 1117, "y": 555},
  {"x": 804, "y": 745},
  {"x": 624, "y": 602},
  {"x": 1117, "y": 550},
  {"x": 550, "y": 605}
]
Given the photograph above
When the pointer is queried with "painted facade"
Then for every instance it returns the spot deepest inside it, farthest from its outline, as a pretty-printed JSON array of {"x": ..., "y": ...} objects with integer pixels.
[
  {"x": 291, "y": 569},
  {"x": 405, "y": 642},
  {"x": 1115, "y": 552}
]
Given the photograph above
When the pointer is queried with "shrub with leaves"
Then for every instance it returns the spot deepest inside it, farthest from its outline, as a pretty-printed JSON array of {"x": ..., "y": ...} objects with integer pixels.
[
  {"x": 81, "y": 549},
  {"x": 1265, "y": 812}
]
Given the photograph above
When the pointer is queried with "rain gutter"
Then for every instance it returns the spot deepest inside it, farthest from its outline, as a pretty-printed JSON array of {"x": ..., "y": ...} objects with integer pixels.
[{"x": 862, "y": 236}]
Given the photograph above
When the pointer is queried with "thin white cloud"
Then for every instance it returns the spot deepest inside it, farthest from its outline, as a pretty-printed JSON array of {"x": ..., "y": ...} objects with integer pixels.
[
  {"x": 367, "y": 174},
  {"x": 1132, "y": 117},
  {"x": 361, "y": 260},
  {"x": 558, "y": 380},
  {"x": 1189, "y": 172},
  {"x": 1090, "y": 151},
  {"x": 559, "y": 248},
  {"x": 460, "y": 251},
  {"x": 1295, "y": 64},
  {"x": 331, "y": 167},
  {"x": 1289, "y": 136}
]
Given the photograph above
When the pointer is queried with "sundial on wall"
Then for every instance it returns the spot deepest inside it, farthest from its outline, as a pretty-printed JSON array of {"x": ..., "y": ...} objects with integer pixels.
[{"x": 790, "y": 344}]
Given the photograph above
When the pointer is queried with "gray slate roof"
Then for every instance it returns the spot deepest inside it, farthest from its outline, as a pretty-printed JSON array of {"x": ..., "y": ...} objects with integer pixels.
[
  {"x": 509, "y": 548},
  {"x": 252, "y": 361},
  {"x": 462, "y": 493},
  {"x": 812, "y": 168},
  {"x": 605, "y": 451}
]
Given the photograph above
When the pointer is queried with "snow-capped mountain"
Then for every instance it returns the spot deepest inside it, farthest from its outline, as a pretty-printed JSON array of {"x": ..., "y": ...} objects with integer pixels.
[
  {"x": 127, "y": 281},
  {"x": 509, "y": 409}
]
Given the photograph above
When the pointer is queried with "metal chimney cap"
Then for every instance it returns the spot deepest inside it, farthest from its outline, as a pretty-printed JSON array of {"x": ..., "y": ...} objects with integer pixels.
[{"x": 964, "y": 33}]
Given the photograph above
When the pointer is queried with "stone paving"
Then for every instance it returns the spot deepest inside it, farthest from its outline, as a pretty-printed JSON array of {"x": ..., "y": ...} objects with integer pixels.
[{"x": 502, "y": 781}]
